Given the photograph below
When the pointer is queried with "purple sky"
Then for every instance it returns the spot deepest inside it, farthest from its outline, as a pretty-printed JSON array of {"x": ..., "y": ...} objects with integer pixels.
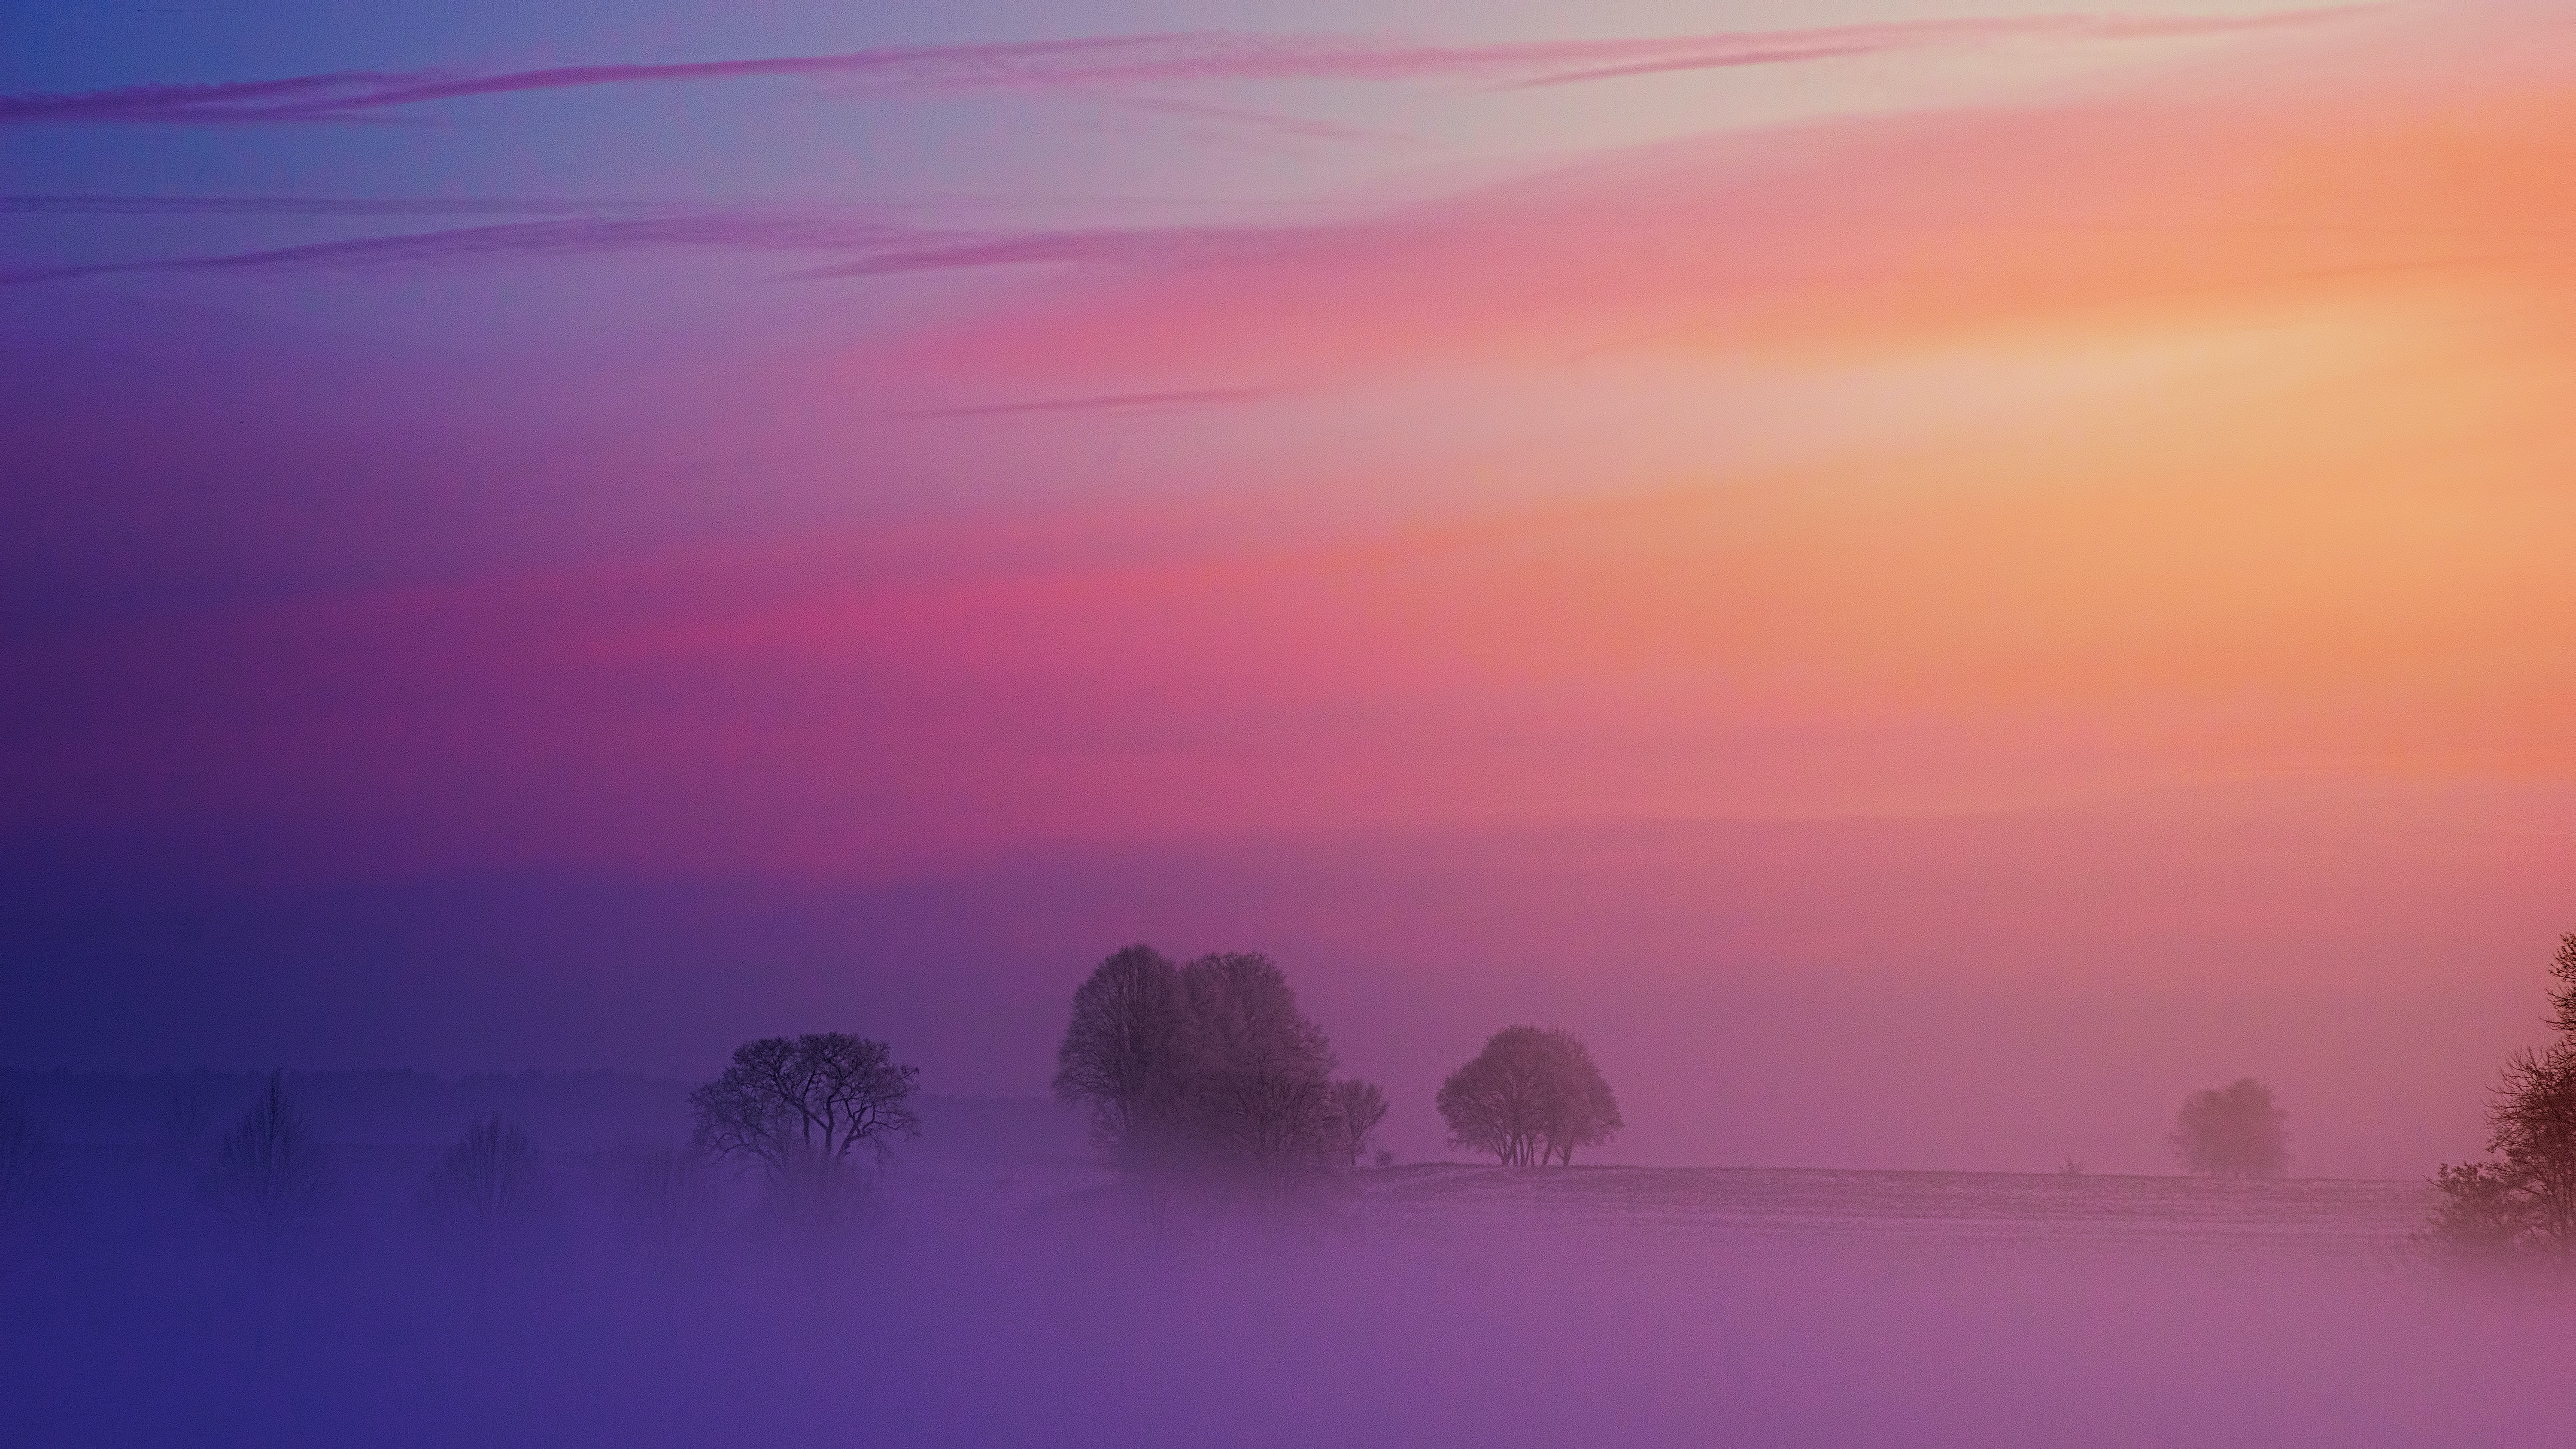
[{"x": 1929, "y": 578}]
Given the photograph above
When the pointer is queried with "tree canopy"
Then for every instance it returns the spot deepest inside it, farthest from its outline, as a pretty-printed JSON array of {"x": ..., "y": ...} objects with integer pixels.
[
  {"x": 806, "y": 1101},
  {"x": 1533, "y": 1095},
  {"x": 1357, "y": 1109},
  {"x": 2233, "y": 1131},
  {"x": 1209, "y": 1067}
]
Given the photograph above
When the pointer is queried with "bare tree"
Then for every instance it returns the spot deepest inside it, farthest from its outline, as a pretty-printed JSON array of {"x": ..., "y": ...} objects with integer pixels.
[
  {"x": 1258, "y": 1099},
  {"x": 24, "y": 1154},
  {"x": 1128, "y": 1054},
  {"x": 1531, "y": 1096},
  {"x": 270, "y": 1170},
  {"x": 802, "y": 1106},
  {"x": 2233, "y": 1131},
  {"x": 2562, "y": 1002},
  {"x": 1209, "y": 1067},
  {"x": 2524, "y": 1200},
  {"x": 1501, "y": 1100},
  {"x": 488, "y": 1182},
  {"x": 1585, "y": 1112},
  {"x": 1358, "y": 1107}
]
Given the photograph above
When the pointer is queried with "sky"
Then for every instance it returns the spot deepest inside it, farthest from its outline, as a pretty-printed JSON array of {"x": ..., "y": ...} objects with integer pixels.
[{"x": 1929, "y": 577}]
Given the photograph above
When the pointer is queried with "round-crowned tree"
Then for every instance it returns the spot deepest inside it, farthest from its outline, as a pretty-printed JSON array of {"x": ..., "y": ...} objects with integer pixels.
[
  {"x": 2233, "y": 1131},
  {"x": 802, "y": 1107},
  {"x": 1127, "y": 1054},
  {"x": 1532, "y": 1096}
]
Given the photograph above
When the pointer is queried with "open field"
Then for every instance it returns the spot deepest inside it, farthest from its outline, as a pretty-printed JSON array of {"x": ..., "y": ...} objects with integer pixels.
[{"x": 2299, "y": 1215}]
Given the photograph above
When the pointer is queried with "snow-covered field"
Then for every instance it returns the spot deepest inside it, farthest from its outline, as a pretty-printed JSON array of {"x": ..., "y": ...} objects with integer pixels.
[{"x": 2302, "y": 1216}]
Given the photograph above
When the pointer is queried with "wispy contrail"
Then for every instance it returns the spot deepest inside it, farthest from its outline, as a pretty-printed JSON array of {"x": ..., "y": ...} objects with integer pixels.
[{"x": 1114, "y": 60}]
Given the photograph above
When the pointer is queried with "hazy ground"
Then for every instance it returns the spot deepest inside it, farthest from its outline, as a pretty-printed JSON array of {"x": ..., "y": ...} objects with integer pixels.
[{"x": 1035, "y": 1302}]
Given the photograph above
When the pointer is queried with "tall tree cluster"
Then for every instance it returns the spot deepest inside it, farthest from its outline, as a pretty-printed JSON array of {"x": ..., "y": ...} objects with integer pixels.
[
  {"x": 1209, "y": 1067},
  {"x": 2523, "y": 1197},
  {"x": 1532, "y": 1096}
]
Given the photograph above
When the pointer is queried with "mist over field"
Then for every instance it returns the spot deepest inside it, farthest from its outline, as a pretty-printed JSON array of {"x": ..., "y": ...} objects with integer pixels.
[
  {"x": 997, "y": 1285},
  {"x": 1007, "y": 1291},
  {"x": 1023, "y": 1299}
]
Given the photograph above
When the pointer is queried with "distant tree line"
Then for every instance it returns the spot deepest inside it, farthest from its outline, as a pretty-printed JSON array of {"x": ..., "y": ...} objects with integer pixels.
[
  {"x": 1208, "y": 1069},
  {"x": 1211, "y": 1069}
]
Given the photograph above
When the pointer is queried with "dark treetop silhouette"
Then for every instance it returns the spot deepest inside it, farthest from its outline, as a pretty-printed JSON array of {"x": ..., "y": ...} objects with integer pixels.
[
  {"x": 1530, "y": 1096},
  {"x": 806, "y": 1103},
  {"x": 2233, "y": 1131},
  {"x": 1209, "y": 1067}
]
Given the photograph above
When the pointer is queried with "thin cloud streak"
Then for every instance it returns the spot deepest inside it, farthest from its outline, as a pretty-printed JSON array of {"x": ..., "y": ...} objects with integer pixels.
[
  {"x": 1115, "y": 60},
  {"x": 882, "y": 249},
  {"x": 1839, "y": 44},
  {"x": 717, "y": 230},
  {"x": 95, "y": 205},
  {"x": 1187, "y": 397}
]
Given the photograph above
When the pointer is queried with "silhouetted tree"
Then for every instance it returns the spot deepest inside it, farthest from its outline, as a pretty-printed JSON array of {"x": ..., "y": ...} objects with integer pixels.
[
  {"x": 802, "y": 1106},
  {"x": 1357, "y": 1109},
  {"x": 1209, "y": 1067},
  {"x": 1498, "y": 1101},
  {"x": 1258, "y": 1099},
  {"x": 2562, "y": 1002},
  {"x": 2233, "y": 1131},
  {"x": 2524, "y": 1199},
  {"x": 1586, "y": 1113},
  {"x": 270, "y": 1170},
  {"x": 24, "y": 1154},
  {"x": 489, "y": 1181},
  {"x": 1128, "y": 1054},
  {"x": 1532, "y": 1095}
]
